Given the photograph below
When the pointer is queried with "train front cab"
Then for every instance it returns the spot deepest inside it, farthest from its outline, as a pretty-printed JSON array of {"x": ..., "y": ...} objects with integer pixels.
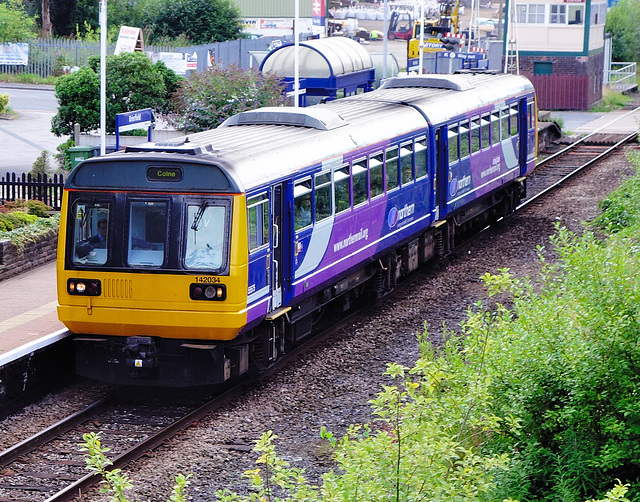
[{"x": 161, "y": 300}]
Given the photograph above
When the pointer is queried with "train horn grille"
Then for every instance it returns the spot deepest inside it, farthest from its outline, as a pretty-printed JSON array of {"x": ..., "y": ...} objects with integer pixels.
[{"x": 117, "y": 288}]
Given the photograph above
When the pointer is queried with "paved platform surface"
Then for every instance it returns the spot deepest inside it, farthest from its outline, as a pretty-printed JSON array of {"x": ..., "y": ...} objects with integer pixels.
[{"x": 28, "y": 302}]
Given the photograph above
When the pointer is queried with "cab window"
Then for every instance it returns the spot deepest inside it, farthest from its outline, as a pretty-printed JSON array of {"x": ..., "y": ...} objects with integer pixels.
[
  {"x": 147, "y": 233},
  {"x": 90, "y": 232},
  {"x": 205, "y": 236}
]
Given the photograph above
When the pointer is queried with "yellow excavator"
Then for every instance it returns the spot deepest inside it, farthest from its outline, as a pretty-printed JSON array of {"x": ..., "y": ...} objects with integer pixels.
[{"x": 441, "y": 33}]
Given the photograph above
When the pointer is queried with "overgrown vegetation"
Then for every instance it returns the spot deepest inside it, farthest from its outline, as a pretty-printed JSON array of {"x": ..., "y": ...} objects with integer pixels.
[
  {"x": 611, "y": 101},
  {"x": 205, "y": 99}
]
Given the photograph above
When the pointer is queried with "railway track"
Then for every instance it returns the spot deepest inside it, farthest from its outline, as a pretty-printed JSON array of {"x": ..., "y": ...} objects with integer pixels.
[
  {"x": 50, "y": 466},
  {"x": 556, "y": 169}
]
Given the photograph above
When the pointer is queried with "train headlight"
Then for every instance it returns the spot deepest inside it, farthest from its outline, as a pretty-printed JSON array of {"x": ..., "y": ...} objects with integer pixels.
[
  {"x": 84, "y": 287},
  {"x": 211, "y": 292}
]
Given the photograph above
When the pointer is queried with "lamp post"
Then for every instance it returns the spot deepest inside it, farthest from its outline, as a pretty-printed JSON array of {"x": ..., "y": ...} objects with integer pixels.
[{"x": 103, "y": 75}]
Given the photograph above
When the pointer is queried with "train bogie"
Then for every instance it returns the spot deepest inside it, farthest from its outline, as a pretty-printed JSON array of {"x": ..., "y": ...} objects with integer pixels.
[{"x": 221, "y": 250}]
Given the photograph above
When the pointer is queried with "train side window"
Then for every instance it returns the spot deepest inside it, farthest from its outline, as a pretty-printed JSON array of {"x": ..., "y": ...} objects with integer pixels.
[
  {"x": 421, "y": 157},
  {"x": 391, "y": 168},
  {"x": 486, "y": 131},
  {"x": 375, "y": 175},
  {"x": 205, "y": 236},
  {"x": 341, "y": 182},
  {"x": 302, "y": 196},
  {"x": 359, "y": 174},
  {"x": 464, "y": 141},
  {"x": 504, "y": 123},
  {"x": 90, "y": 233},
  {"x": 148, "y": 225},
  {"x": 406, "y": 163},
  {"x": 495, "y": 127},
  {"x": 475, "y": 135},
  {"x": 258, "y": 221},
  {"x": 454, "y": 152},
  {"x": 323, "y": 207},
  {"x": 513, "y": 116}
]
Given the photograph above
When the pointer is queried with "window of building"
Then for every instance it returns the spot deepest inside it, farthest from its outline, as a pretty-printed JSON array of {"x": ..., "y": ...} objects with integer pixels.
[
  {"x": 531, "y": 13},
  {"x": 375, "y": 175},
  {"x": 558, "y": 14},
  {"x": 542, "y": 68},
  {"x": 598, "y": 13},
  {"x": 324, "y": 205},
  {"x": 341, "y": 182},
  {"x": 302, "y": 196},
  {"x": 391, "y": 168},
  {"x": 421, "y": 157},
  {"x": 258, "y": 220},
  {"x": 576, "y": 14}
]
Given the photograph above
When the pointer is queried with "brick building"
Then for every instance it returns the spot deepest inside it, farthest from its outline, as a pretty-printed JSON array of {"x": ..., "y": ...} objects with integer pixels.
[{"x": 561, "y": 49}]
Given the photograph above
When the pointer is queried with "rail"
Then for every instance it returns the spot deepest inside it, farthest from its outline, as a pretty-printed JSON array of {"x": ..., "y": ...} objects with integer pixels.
[{"x": 621, "y": 76}]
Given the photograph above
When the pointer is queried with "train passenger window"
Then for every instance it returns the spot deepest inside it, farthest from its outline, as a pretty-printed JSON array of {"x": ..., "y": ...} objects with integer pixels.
[
  {"x": 406, "y": 163},
  {"x": 302, "y": 196},
  {"x": 375, "y": 174},
  {"x": 391, "y": 166},
  {"x": 205, "y": 236},
  {"x": 258, "y": 221},
  {"x": 495, "y": 127},
  {"x": 514, "y": 120},
  {"x": 486, "y": 131},
  {"x": 341, "y": 186},
  {"x": 454, "y": 153},
  {"x": 323, "y": 208},
  {"x": 147, "y": 233},
  {"x": 504, "y": 123},
  {"x": 421, "y": 157},
  {"x": 464, "y": 141},
  {"x": 359, "y": 174},
  {"x": 531, "y": 115},
  {"x": 475, "y": 135},
  {"x": 90, "y": 232}
]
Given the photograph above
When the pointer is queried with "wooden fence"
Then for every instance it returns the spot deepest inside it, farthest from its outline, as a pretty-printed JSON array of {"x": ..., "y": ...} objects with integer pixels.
[{"x": 29, "y": 187}]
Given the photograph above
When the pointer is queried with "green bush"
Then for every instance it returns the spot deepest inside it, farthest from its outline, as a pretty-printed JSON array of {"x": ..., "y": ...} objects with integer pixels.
[
  {"x": 17, "y": 219},
  {"x": 4, "y": 103}
]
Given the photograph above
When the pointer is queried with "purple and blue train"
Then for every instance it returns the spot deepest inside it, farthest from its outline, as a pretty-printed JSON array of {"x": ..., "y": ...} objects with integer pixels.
[{"x": 193, "y": 262}]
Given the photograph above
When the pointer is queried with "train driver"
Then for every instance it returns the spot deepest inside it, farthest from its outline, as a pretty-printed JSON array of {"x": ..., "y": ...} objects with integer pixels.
[{"x": 97, "y": 241}]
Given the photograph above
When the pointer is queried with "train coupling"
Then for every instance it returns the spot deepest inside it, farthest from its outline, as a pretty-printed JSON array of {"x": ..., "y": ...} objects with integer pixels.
[{"x": 140, "y": 356}]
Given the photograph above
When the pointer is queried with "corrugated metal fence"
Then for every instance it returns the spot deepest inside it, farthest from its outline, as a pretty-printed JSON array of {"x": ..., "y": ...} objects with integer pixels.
[{"x": 50, "y": 56}]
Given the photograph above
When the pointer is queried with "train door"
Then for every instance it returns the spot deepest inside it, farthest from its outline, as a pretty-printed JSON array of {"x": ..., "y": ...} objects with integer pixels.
[
  {"x": 277, "y": 224},
  {"x": 441, "y": 172}
]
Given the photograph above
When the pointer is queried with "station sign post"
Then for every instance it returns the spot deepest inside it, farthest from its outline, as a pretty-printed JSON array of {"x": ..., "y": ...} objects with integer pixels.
[{"x": 137, "y": 119}]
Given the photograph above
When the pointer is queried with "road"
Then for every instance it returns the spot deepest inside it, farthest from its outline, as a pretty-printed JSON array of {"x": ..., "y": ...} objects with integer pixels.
[{"x": 25, "y": 137}]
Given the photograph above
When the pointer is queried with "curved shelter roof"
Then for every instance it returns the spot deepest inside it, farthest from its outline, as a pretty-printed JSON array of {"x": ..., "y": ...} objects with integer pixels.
[{"x": 326, "y": 65}]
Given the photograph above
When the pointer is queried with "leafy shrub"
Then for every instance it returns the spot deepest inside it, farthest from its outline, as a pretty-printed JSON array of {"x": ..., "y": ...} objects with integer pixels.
[
  {"x": 29, "y": 233},
  {"x": 205, "y": 99},
  {"x": 64, "y": 162},
  {"x": 4, "y": 102},
  {"x": 16, "y": 219}
]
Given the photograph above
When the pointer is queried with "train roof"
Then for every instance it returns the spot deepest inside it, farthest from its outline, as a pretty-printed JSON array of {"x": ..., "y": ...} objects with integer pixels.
[{"x": 267, "y": 144}]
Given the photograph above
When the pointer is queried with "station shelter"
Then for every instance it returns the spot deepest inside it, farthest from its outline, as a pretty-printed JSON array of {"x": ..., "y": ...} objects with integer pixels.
[
  {"x": 561, "y": 49},
  {"x": 328, "y": 68}
]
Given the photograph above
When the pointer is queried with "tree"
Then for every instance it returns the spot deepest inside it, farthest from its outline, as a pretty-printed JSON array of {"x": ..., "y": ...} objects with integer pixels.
[
  {"x": 200, "y": 21},
  {"x": 15, "y": 24},
  {"x": 133, "y": 82},
  {"x": 205, "y": 99},
  {"x": 623, "y": 22}
]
